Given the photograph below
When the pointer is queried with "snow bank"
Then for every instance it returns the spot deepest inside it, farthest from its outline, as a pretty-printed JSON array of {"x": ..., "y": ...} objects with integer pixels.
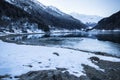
[{"x": 16, "y": 59}]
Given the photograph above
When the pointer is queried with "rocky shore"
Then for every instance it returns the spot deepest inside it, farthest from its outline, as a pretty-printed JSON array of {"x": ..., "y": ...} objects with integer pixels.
[{"x": 111, "y": 72}]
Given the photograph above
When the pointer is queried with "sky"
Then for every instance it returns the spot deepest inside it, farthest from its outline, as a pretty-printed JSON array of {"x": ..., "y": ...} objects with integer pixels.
[{"x": 103, "y": 8}]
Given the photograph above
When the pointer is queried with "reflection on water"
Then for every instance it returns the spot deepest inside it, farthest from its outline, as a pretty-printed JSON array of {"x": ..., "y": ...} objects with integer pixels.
[
  {"x": 58, "y": 37},
  {"x": 37, "y": 39},
  {"x": 104, "y": 42},
  {"x": 109, "y": 37}
]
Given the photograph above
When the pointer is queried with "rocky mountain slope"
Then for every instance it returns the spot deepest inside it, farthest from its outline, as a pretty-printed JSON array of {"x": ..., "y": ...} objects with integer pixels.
[
  {"x": 110, "y": 23},
  {"x": 30, "y": 16}
]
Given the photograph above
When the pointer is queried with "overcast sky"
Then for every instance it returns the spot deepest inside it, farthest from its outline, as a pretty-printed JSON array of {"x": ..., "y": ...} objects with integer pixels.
[{"x": 91, "y": 7}]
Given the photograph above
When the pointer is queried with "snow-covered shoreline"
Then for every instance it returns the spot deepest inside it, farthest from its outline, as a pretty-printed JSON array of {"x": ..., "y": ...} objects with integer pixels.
[
  {"x": 94, "y": 31},
  {"x": 16, "y": 59}
]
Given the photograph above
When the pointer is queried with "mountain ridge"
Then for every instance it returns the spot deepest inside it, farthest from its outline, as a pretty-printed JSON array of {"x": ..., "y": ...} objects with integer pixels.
[{"x": 37, "y": 15}]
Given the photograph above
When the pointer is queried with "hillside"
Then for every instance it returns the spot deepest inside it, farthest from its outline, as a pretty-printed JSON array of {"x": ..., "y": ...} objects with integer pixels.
[
  {"x": 110, "y": 23},
  {"x": 30, "y": 16}
]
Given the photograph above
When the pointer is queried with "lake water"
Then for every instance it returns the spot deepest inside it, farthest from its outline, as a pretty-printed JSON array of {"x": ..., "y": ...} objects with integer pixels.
[{"x": 107, "y": 42}]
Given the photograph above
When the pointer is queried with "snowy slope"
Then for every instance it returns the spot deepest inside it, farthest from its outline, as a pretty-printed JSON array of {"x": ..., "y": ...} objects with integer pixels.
[
  {"x": 17, "y": 59},
  {"x": 86, "y": 18},
  {"x": 55, "y": 10}
]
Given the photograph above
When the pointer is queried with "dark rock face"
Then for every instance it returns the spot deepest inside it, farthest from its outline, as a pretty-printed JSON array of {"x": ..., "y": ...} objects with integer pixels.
[
  {"x": 109, "y": 23},
  {"x": 48, "y": 75},
  {"x": 19, "y": 12}
]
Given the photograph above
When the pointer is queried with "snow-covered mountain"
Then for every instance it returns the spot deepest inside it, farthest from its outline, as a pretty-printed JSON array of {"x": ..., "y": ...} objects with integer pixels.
[
  {"x": 55, "y": 10},
  {"x": 87, "y": 19},
  {"x": 31, "y": 15}
]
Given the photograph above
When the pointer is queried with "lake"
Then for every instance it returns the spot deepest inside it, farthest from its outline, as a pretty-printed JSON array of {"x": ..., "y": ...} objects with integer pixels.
[{"x": 107, "y": 42}]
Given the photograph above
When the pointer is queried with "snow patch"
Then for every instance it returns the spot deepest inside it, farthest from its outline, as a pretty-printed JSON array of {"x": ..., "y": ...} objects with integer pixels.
[{"x": 14, "y": 58}]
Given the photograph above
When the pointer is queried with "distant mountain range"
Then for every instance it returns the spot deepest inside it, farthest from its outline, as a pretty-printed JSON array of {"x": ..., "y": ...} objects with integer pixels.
[
  {"x": 89, "y": 20},
  {"x": 110, "y": 23},
  {"x": 32, "y": 16}
]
